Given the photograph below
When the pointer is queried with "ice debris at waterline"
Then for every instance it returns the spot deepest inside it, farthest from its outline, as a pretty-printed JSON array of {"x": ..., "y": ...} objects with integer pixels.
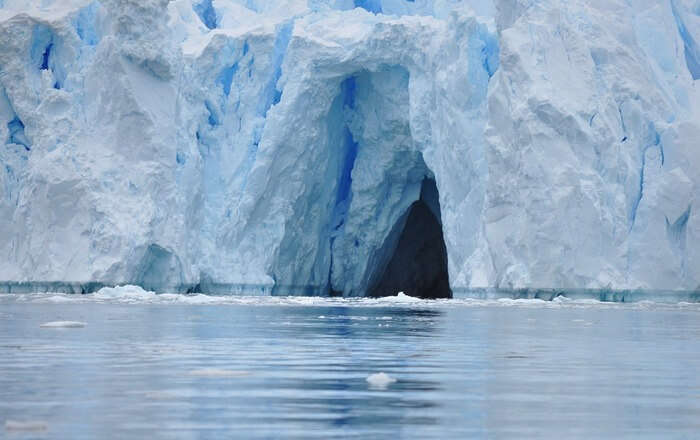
[
  {"x": 402, "y": 298},
  {"x": 123, "y": 292},
  {"x": 640, "y": 303},
  {"x": 283, "y": 144},
  {"x": 380, "y": 380},
  {"x": 63, "y": 324}
]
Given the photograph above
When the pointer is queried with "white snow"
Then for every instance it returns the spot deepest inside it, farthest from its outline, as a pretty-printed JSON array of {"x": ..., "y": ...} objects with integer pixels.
[
  {"x": 63, "y": 324},
  {"x": 278, "y": 144}
]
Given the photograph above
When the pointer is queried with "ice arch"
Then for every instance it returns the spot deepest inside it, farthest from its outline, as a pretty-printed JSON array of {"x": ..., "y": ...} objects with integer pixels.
[
  {"x": 414, "y": 254},
  {"x": 368, "y": 174}
]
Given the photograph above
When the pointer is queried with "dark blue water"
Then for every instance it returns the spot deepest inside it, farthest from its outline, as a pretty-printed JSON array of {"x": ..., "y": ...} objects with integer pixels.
[{"x": 181, "y": 367}]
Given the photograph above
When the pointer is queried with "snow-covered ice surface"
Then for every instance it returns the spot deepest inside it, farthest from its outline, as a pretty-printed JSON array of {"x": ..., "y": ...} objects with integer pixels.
[
  {"x": 290, "y": 367},
  {"x": 186, "y": 144}
]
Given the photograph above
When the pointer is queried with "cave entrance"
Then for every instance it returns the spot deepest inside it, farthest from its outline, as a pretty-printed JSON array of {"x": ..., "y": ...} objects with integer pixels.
[
  {"x": 366, "y": 218},
  {"x": 417, "y": 260}
]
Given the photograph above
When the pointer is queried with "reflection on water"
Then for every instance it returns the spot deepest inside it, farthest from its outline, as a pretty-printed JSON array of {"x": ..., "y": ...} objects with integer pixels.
[{"x": 186, "y": 371}]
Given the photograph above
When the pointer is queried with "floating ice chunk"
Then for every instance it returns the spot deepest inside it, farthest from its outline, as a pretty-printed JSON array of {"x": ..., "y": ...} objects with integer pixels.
[
  {"x": 26, "y": 425},
  {"x": 127, "y": 292},
  {"x": 401, "y": 298},
  {"x": 198, "y": 299},
  {"x": 380, "y": 380},
  {"x": 524, "y": 302},
  {"x": 51, "y": 298},
  {"x": 63, "y": 324},
  {"x": 59, "y": 299},
  {"x": 217, "y": 372}
]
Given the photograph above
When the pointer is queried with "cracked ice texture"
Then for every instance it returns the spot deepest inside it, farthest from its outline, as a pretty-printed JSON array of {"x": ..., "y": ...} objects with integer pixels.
[{"x": 281, "y": 143}]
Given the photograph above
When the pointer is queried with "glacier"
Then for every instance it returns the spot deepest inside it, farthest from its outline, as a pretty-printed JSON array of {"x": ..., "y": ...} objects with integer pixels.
[{"x": 311, "y": 146}]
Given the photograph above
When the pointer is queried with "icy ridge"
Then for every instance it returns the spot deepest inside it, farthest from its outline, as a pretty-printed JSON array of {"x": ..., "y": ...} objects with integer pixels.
[{"x": 189, "y": 144}]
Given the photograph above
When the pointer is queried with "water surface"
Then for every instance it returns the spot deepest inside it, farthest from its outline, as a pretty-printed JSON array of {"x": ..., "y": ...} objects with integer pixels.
[{"x": 182, "y": 367}]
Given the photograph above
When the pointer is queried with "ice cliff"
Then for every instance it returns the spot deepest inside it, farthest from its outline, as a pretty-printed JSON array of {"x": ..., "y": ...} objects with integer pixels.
[{"x": 317, "y": 146}]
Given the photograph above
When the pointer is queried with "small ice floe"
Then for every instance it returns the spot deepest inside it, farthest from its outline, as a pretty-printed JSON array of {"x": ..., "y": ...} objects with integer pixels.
[
  {"x": 63, "y": 324},
  {"x": 217, "y": 372},
  {"x": 405, "y": 297},
  {"x": 58, "y": 299},
  {"x": 380, "y": 380},
  {"x": 125, "y": 293},
  {"x": 198, "y": 299},
  {"x": 25, "y": 425},
  {"x": 401, "y": 298}
]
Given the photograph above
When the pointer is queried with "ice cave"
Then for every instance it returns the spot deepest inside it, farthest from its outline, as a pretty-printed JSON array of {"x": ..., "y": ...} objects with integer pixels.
[
  {"x": 370, "y": 222},
  {"x": 414, "y": 255}
]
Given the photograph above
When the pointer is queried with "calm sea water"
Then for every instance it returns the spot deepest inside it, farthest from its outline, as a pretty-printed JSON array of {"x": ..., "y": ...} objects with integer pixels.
[{"x": 185, "y": 367}]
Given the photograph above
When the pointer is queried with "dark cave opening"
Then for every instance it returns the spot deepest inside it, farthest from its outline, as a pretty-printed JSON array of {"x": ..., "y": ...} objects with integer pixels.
[{"x": 418, "y": 265}]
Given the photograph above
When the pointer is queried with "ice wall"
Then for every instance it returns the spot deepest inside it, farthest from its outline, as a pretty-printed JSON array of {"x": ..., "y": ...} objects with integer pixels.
[
  {"x": 593, "y": 135},
  {"x": 190, "y": 144}
]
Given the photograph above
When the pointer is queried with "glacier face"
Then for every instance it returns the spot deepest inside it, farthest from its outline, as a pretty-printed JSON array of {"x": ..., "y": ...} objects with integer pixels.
[{"x": 184, "y": 143}]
